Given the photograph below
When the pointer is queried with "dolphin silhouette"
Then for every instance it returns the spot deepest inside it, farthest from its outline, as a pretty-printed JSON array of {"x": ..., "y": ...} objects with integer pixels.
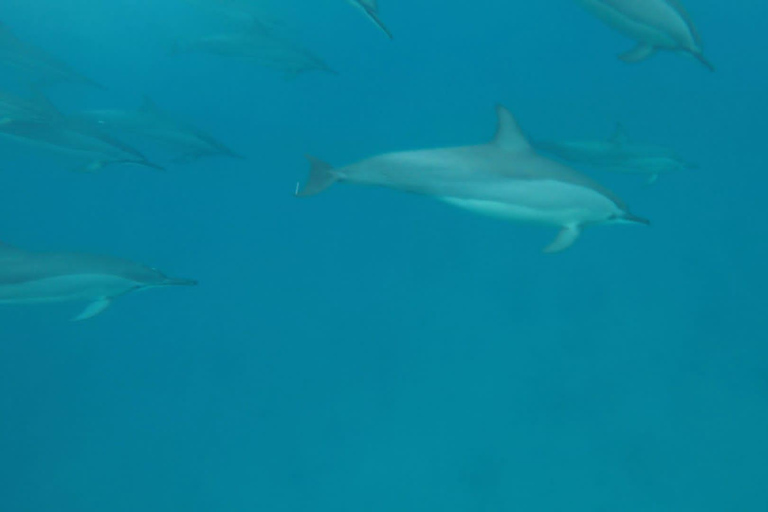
[
  {"x": 654, "y": 24},
  {"x": 504, "y": 179},
  {"x": 36, "y": 278}
]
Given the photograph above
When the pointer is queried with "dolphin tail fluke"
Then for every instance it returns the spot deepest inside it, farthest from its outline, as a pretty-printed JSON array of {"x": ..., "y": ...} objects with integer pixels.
[
  {"x": 701, "y": 58},
  {"x": 93, "y": 309},
  {"x": 566, "y": 238},
  {"x": 638, "y": 53},
  {"x": 321, "y": 176}
]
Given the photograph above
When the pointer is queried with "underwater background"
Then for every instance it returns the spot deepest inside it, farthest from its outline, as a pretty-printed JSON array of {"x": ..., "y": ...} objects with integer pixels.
[{"x": 366, "y": 350}]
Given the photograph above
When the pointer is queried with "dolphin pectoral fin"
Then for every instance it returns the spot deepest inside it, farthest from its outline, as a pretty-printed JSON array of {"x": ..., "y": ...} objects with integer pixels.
[
  {"x": 321, "y": 176},
  {"x": 567, "y": 236},
  {"x": 638, "y": 53},
  {"x": 653, "y": 179},
  {"x": 93, "y": 309}
]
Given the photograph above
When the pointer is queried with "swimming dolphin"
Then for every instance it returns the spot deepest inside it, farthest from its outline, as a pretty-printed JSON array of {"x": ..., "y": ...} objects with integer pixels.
[
  {"x": 654, "y": 24},
  {"x": 263, "y": 46},
  {"x": 36, "y": 63},
  {"x": 152, "y": 123},
  {"x": 37, "y": 278},
  {"x": 371, "y": 9},
  {"x": 73, "y": 139},
  {"x": 504, "y": 179},
  {"x": 617, "y": 154}
]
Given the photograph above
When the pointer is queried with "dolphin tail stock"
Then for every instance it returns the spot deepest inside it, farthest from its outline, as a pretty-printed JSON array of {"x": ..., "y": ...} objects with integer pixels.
[
  {"x": 564, "y": 239},
  {"x": 639, "y": 53},
  {"x": 321, "y": 177}
]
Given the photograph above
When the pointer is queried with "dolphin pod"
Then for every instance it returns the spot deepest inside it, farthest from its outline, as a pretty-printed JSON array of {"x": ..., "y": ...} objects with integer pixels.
[
  {"x": 505, "y": 179},
  {"x": 38, "y": 278},
  {"x": 618, "y": 155},
  {"x": 509, "y": 178},
  {"x": 654, "y": 24}
]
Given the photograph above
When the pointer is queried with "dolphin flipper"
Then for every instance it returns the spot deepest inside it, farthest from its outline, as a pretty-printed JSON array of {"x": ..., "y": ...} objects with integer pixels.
[
  {"x": 638, "y": 53},
  {"x": 93, "y": 309},
  {"x": 567, "y": 236}
]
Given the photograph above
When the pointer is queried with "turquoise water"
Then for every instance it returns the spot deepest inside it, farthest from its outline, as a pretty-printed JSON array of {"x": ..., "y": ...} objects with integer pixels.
[{"x": 367, "y": 350}]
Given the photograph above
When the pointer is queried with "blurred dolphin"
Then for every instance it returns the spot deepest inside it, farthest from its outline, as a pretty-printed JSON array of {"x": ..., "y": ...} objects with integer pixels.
[
  {"x": 35, "y": 278},
  {"x": 371, "y": 9},
  {"x": 14, "y": 107},
  {"x": 74, "y": 139},
  {"x": 504, "y": 179},
  {"x": 654, "y": 24},
  {"x": 617, "y": 154},
  {"x": 152, "y": 123},
  {"x": 261, "y": 45},
  {"x": 36, "y": 63}
]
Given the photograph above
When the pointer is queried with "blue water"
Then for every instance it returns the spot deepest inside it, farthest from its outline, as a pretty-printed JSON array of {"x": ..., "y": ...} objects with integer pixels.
[{"x": 366, "y": 350}]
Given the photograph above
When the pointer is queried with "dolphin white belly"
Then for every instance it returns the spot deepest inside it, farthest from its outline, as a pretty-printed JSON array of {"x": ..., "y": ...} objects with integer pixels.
[
  {"x": 545, "y": 202},
  {"x": 66, "y": 288}
]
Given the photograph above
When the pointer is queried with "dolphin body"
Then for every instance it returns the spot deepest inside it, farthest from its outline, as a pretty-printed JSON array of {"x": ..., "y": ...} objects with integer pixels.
[
  {"x": 74, "y": 139},
  {"x": 261, "y": 45},
  {"x": 152, "y": 123},
  {"x": 371, "y": 9},
  {"x": 504, "y": 179},
  {"x": 617, "y": 154},
  {"x": 38, "y": 278},
  {"x": 654, "y": 24},
  {"x": 36, "y": 63}
]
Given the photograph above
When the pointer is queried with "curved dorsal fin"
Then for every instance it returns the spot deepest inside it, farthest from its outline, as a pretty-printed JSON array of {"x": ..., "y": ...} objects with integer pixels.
[{"x": 509, "y": 136}]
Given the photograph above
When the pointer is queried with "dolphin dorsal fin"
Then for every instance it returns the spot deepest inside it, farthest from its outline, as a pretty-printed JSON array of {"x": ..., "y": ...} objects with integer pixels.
[
  {"x": 619, "y": 136},
  {"x": 509, "y": 136},
  {"x": 148, "y": 105}
]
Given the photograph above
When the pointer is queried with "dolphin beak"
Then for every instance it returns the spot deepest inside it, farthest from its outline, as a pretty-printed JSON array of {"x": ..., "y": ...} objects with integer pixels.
[
  {"x": 180, "y": 282},
  {"x": 634, "y": 219}
]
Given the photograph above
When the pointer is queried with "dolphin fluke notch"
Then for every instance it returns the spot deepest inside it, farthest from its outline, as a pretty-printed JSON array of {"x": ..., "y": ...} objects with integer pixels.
[{"x": 321, "y": 176}]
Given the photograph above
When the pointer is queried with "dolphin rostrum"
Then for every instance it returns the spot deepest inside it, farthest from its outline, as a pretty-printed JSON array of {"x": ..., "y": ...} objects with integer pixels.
[
  {"x": 36, "y": 63},
  {"x": 371, "y": 9},
  {"x": 617, "y": 154},
  {"x": 150, "y": 122},
  {"x": 38, "y": 278},
  {"x": 263, "y": 46},
  {"x": 504, "y": 178},
  {"x": 654, "y": 24}
]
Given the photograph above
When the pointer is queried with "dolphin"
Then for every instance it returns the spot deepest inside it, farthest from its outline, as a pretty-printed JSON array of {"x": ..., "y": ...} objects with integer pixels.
[
  {"x": 371, "y": 9},
  {"x": 150, "y": 122},
  {"x": 74, "y": 139},
  {"x": 617, "y": 154},
  {"x": 505, "y": 178},
  {"x": 37, "y": 278},
  {"x": 263, "y": 46},
  {"x": 654, "y": 24},
  {"x": 36, "y": 63}
]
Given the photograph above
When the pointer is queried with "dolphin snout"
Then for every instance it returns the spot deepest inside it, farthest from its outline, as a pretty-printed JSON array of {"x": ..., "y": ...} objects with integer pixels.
[
  {"x": 180, "y": 282},
  {"x": 629, "y": 217}
]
